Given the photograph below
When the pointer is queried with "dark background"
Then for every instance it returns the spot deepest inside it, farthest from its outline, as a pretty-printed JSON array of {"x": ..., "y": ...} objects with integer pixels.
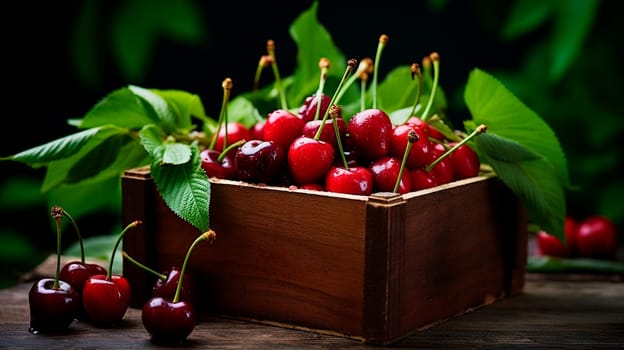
[{"x": 44, "y": 85}]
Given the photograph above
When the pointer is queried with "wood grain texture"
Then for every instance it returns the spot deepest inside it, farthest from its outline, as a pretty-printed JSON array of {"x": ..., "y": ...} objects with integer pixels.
[{"x": 547, "y": 314}]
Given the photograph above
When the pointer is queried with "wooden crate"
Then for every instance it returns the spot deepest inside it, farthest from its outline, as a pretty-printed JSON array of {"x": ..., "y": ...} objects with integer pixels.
[{"x": 374, "y": 268}]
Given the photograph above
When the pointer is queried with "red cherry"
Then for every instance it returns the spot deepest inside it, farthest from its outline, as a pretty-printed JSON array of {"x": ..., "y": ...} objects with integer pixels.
[
  {"x": 76, "y": 273},
  {"x": 236, "y": 131},
  {"x": 443, "y": 171},
  {"x": 52, "y": 308},
  {"x": 167, "y": 321},
  {"x": 354, "y": 180},
  {"x": 550, "y": 245},
  {"x": 420, "y": 154},
  {"x": 422, "y": 179},
  {"x": 596, "y": 237},
  {"x": 166, "y": 288},
  {"x": 106, "y": 300},
  {"x": 370, "y": 131},
  {"x": 257, "y": 131},
  {"x": 282, "y": 127},
  {"x": 431, "y": 131},
  {"x": 309, "y": 159},
  {"x": 259, "y": 161},
  {"x": 307, "y": 111},
  {"x": 385, "y": 173},
  {"x": 465, "y": 162},
  {"x": 328, "y": 134},
  {"x": 222, "y": 169}
]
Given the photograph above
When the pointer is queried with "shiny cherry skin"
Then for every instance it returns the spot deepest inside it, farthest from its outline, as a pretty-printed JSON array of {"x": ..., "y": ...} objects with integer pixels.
[
  {"x": 420, "y": 154},
  {"x": 422, "y": 179},
  {"x": 106, "y": 300},
  {"x": 167, "y": 288},
  {"x": 328, "y": 134},
  {"x": 356, "y": 180},
  {"x": 307, "y": 111},
  {"x": 431, "y": 131},
  {"x": 466, "y": 162},
  {"x": 282, "y": 127},
  {"x": 309, "y": 160},
  {"x": 596, "y": 237},
  {"x": 236, "y": 131},
  {"x": 213, "y": 167},
  {"x": 443, "y": 171},
  {"x": 260, "y": 161},
  {"x": 52, "y": 309},
  {"x": 167, "y": 321},
  {"x": 257, "y": 130},
  {"x": 76, "y": 273},
  {"x": 370, "y": 131},
  {"x": 385, "y": 173}
]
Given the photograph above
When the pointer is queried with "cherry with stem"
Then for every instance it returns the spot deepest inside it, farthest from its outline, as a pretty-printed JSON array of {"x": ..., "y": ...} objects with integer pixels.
[
  {"x": 106, "y": 298},
  {"x": 172, "y": 320},
  {"x": 53, "y": 302}
]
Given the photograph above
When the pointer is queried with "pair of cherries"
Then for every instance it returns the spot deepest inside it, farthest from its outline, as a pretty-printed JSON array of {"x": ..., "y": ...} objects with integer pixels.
[{"x": 78, "y": 290}]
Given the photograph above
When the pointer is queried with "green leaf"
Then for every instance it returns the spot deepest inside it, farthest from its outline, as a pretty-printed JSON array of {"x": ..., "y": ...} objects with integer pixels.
[
  {"x": 176, "y": 153},
  {"x": 313, "y": 43},
  {"x": 185, "y": 188},
  {"x": 65, "y": 146},
  {"x": 151, "y": 138},
  {"x": 166, "y": 117},
  {"x": 121, "y": 108},
  {"x": 504, "y": 149},
  {"x": 490, "y": 103},
  {"x": 538, "y": 184},
  {"x": 184, "y": 105}
]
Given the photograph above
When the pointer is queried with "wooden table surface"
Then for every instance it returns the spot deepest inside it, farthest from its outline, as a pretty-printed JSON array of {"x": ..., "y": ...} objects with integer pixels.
[{"x": 562, "y": 312}]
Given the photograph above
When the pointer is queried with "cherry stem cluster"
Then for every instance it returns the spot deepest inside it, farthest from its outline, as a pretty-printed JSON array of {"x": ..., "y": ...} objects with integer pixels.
[
  {"x": 324, "y": 65},
  {"x": 478, "y": 130},
  {"x": 415, "y": 71},
  {"x": 383, "y": 40},
  {"x": 223, "y": 116},
  {"x": 278, "y": 79},
  {"x": 435, "y": 59}
]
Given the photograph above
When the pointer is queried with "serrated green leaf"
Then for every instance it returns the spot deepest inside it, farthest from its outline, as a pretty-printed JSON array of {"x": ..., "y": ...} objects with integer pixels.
[
  {"x": 313, "y": 43},
  {"x": 504, "y": 149},
  {"x": 185, "y": 189},
  {"x": 121, "y": 108},
  {"x": 176, "y": 153},
  {"x": 166, "y": 117},
  {"x": 539, "y": 183},
  {"x": 241, "y": 110},
  {"x": 65, "y": 146}
]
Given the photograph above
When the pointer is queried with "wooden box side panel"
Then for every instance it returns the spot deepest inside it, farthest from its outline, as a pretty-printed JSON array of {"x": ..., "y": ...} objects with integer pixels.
[
  {"x": 280, "y": 256},
  {"x": 460, "y": 251}
]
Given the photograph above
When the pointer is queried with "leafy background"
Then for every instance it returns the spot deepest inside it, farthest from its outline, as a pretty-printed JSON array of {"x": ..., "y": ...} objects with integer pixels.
[{"x": 559, "y": 57}]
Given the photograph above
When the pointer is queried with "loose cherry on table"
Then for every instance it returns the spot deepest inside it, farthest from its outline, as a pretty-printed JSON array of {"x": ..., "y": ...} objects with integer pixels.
[
  {"x": 76, "y": 272},
  {"x": 53, "y": 303},
  {"x": 172, "y": 320},
  {"x": 596, "y": 237},
  {"x": 106, "y": 297}
]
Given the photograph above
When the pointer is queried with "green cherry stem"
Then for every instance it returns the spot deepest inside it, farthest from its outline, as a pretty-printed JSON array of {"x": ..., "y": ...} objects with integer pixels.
[
  {"x": 222, "y": 122},
  {"x": 278, "y": 79},
  {"x": 363, "y": 70},
  {"x": 383, "y": 40},
  {"x": 435, "y": 59},
  {"x": 350, "y": 65},
  {"x": 324, "y": 66},
  {"x": 57, "y": 215},
  {"x": 478, "y": 130},
  {"x": 209, "y": 235},
  {"x": 158, "y": 275},
  {"x": 228, "y": 149},
  {"x": 334, "y": 112},
  {"x": 62, "y": 212},
  {"x": 412, "y": 137},
  {"x": 121, "y": 235},
  {"x": 265, "y": 61},
  {"x": 415, "y": 71}
]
